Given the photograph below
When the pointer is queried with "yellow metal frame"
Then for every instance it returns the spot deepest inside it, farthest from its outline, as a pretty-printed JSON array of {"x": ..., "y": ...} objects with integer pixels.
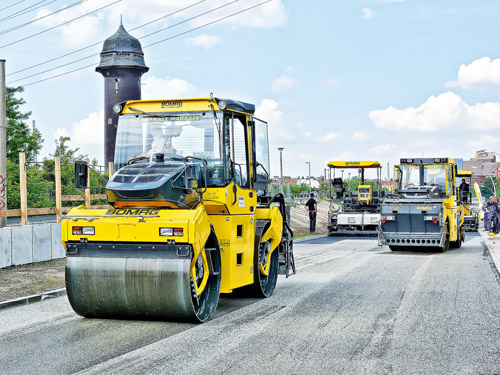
[
  {"x": 365, "y": 200},
  {"x": 354, "y": 164},
  {"x": 464, "y": 173}
]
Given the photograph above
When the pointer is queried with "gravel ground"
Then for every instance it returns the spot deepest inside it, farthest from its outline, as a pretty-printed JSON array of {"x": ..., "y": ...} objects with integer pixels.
[{"x": 26, "y": 280}]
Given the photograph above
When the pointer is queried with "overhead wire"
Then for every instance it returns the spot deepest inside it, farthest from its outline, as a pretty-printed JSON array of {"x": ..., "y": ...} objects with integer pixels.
[
  {"x": 207, "y": 24},
  {"x": 144, "y": 36},
  {"x": 2, "y": 32},
  {"x": 28, "y": 11},
  {"x": 158, "y": 42},
  {"x": 22, "y": 10},
  {"x": 97, "y": 43},
  {"x": 62, "y": 24},
  {"x": 10, "y": 6}
]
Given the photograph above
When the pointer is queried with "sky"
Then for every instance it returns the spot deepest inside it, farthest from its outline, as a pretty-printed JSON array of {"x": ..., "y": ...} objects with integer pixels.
[{"x": 335, "y": 79}]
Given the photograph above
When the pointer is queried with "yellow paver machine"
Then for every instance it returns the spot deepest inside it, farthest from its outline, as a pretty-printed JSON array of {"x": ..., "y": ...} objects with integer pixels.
[
  {"x": 424, "y": 209},
  {"x": 354, "y": 209},
  {"x": 191, "y": 219}
]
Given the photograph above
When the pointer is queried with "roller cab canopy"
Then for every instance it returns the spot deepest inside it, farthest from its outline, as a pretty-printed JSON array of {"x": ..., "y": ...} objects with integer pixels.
[
  {"x": 354, "y": 164},
  {"x": 463, "y": 173}
]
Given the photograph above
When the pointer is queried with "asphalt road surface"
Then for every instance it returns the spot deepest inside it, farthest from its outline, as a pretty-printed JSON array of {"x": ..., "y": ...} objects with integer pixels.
[{"x": 352, "y": 308}]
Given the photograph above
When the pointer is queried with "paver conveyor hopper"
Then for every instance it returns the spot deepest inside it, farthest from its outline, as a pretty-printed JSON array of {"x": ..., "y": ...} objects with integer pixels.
[{"x": 191, "y": 215}]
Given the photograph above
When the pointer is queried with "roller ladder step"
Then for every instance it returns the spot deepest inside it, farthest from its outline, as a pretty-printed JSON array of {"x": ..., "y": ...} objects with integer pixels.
[{"x": 211, "y": 268}]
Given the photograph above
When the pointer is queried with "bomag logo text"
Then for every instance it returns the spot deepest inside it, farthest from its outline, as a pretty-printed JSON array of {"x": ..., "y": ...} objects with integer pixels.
[
  {"x": 171, "y": 104},
  {"x": 133, "y": 212},
  {"x": 352, "y": 163}
]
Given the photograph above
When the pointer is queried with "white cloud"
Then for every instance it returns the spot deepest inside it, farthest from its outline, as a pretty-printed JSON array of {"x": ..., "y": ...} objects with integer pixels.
[
  {"x": 328, "y": 137},
  {"x": 269, "y": 15},
  {"x": 360, "y": 136},
  {"x": 79, "y": 31},
  {"x": 367, "y": 13},
  {"x": 278, "y": 129},
  {"x": 485, "y": 142},
  {"x": 284, "y": 83},
  {"x": 87, "y": 135},
  {"x": 483, "y": 71},
  {"x": 137, "y": 12},
  {"x": 204, "y": 41},
  {"x": 438, "y": 113},
  {"x": 156, "y": 88}
]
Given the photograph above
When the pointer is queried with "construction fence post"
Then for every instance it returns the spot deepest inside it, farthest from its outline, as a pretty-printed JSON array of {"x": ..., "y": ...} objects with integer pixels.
[
  {"x": 110, "y": 168},
  {"x": 22, "y": 188},
  {"x": 87, "y": 190},
  {"x": 57, "y": 165},
  {"x": 3, "y": 143}
]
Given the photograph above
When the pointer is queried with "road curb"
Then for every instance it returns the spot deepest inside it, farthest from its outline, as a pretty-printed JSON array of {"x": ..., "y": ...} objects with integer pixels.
[
  {"x": 310, "y": 238},
  {"x": 494, "y": 253},
  {"x": 33, "y": 298}
]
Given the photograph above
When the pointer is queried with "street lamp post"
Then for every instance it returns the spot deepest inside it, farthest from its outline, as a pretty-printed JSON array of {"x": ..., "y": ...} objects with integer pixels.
[
  {"x": 308, "y": 162},
  {"x": 280, "y": 149}
]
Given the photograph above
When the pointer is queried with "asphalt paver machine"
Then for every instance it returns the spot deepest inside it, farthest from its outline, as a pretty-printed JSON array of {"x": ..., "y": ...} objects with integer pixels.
[
  {"x": 191, "y": 215},
  {"x": 354, "y": 207},
  {"x": 424, "y": 209}
]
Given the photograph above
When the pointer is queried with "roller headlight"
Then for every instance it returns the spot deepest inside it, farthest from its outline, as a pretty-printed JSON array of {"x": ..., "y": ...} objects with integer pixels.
[
  {"x": 117, "y": 108},
  {"x": 167, "y": 232},
  {"x": 222, "y": 104},
  {"x": 170, "y": 232},
  {"x": 85, "y": 231}
]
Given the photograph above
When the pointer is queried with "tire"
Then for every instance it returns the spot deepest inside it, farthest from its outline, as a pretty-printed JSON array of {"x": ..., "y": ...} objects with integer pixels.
[
  {"x": 446, "y": 245},
  {"x": 262, "y": 286}
]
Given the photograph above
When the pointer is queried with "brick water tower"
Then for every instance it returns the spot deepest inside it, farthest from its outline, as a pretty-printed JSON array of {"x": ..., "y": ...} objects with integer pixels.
[{"x": 122, "y": 66}]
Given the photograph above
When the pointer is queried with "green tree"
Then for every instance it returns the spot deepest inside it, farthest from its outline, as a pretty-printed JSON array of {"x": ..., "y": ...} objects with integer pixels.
[
  {"x": 68, "y": 157},
  {"x": 40, "y": 192},
  {"x": 20, "y": 138},
  {"x": 487, "y": 188}
]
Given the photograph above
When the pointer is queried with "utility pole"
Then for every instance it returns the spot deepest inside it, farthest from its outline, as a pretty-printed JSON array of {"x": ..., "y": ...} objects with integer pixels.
[
  {"x": 308, "y": 162},
  {"x": 280, "y": 149},
  {"x": 3, "y": 144}
]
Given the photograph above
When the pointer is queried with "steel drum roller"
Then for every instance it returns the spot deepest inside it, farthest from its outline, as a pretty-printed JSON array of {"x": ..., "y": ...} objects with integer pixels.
[{"x": 137, "y": 288}]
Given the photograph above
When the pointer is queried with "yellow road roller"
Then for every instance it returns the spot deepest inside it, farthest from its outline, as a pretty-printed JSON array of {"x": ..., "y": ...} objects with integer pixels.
[{"x": 190, "y": 215}]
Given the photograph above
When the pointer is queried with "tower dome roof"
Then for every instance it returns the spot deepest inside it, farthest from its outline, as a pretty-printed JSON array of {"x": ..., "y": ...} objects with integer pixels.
[{"x": 123, "y": 50}]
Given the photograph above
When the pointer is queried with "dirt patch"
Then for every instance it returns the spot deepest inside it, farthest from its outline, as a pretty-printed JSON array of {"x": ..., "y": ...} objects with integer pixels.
[
  {"x": 26, "y": 280},
  {"x": 299, "y": 218}
]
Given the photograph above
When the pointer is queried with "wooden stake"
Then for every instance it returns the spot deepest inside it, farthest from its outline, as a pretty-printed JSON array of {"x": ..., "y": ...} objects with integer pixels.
[
  {"x": 57, "y": 162},
  {"x": 87, "y": 191},
  {"x": 110, "y": 169},
  {"x": 22, "y": 187}
]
